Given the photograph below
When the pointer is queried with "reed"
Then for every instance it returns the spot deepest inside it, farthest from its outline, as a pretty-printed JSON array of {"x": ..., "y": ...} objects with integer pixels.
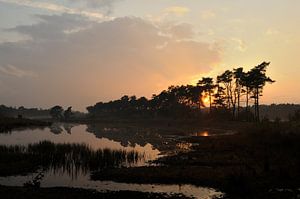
[{"x": 70, "y": 158}]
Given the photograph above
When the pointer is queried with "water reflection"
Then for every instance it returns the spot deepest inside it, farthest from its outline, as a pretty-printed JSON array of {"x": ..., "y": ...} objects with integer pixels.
[
  {"x": 71, "y": 159},
  {"x": 213, "y": 132},
  {"x": 76, "y": 152},
  {"x": 127, "y": 136},
  {"x": 71, "y": 133},
  {"x": 58, "y": 128},
  {"x": 202, "y": 134},
  {"x": 184, "y": 146},
  {"x": 84, "y": 148},
  {"x": 62, "y": 180}
]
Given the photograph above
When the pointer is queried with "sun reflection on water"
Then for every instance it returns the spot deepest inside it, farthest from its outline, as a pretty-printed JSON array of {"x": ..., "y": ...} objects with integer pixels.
[{"x": 203, "y": 134}]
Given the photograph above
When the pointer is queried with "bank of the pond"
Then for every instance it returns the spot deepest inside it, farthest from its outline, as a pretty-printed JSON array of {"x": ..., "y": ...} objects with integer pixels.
[
  {"x": 244, "y": 165},
  {"x": 76, "y": 193},
  {"x": 9, "y": 124},
  {"x": 165, "y": 125}
]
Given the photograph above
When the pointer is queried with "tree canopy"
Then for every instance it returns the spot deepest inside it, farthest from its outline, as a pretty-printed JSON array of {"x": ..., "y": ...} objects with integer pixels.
[{"x": 232, "y": 92}]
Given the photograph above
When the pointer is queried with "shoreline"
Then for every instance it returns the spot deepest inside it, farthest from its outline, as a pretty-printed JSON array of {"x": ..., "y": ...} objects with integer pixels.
[{"x": 77, "y": 193}]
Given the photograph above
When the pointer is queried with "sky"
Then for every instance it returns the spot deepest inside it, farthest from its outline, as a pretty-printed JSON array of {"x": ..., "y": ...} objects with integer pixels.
[{"x": 79, "y": 52}]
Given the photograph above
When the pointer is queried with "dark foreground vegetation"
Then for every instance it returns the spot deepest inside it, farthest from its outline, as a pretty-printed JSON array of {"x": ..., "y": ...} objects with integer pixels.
[
  {"x": 73, "y": 158},
  {"x": 74, "y": 193},
  {"x": 251, "y": 164}
]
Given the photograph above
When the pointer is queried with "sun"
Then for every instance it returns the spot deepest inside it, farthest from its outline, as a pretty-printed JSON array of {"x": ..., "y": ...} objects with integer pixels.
[{"x": 205, "y": 100}]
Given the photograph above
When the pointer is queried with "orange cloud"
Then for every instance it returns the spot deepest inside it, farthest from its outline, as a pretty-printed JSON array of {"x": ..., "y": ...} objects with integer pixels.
[{"x": 177, "y": 10}]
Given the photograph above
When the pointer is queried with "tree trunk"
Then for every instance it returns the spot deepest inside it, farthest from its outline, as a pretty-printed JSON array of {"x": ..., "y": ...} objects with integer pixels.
[
  {"x": 228, "y": 98},
  {"x": 209, "y": 102},
  {"x": 233, "y": 111},
  {"x": 247, "y": 103},
  {"x": 238, "y": 111},
  {"x": 257, "y": 104}
]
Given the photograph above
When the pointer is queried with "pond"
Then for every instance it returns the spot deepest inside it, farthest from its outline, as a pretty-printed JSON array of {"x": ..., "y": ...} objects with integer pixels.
[
  {"x": 72, "y": 133},
  {"x": 71, "y": 151}
]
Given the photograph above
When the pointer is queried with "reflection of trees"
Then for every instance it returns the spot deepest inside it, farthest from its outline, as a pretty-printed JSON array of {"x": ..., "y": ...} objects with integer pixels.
[
  {"x": 129, "y": 136},
  {"x": 126, "y": 136},
  {"x": 56, "y": 128},
  {"x": 68, "y": 127}
]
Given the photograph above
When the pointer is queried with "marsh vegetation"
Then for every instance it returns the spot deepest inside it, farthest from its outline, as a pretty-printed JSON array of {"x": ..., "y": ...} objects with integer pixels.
[{"x": 71, "y": 158}]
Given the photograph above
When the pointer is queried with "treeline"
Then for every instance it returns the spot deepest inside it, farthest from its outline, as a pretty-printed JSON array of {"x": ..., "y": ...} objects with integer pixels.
[
  {"x": 175, "y": 102},
  {"x": 58, "y": 113},
  {"x": 6, "y": 111},
  {"x": 284, "y": 112},
  {"x": 229, "y": 94}
]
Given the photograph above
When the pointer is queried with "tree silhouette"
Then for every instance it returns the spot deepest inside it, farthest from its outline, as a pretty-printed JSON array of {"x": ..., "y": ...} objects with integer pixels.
[
  {"x": 239, "y": 76},
  {"x": 56, "y": 112},
  {"x": 68, "y": 113},
  {"x": 227, "y": 80},
  {"x": 257, "y": 81},
  {"x": 219, "y": 97},
  {"x": 187, "y": 100}
]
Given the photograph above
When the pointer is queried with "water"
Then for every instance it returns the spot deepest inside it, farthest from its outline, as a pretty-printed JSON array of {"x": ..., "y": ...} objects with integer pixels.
[
  {"x": 213, "y": 132},
  {"x": 64, "y": 181},
  {"x": 96, "y": 138},
  {"x": 77, "y": 134}
]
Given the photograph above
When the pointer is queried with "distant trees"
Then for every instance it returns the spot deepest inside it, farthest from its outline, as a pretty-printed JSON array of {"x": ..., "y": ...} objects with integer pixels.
[
  {"x": 56, "y": 112},
  {"x": 176, "y": 101},
  {"x": 68, "y": 113},
  {"x": 227, "y": 94},
  {"x": 6, "y": 111},
  {"x": 295, "y": 116}
]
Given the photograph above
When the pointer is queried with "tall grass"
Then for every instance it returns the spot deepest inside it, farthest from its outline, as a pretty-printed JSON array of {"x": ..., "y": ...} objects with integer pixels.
[{"x": 70, "y": 158}]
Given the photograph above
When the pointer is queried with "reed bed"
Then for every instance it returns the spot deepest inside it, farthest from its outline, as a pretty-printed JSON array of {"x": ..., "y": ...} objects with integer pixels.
[{"x": 70, "y": 158}]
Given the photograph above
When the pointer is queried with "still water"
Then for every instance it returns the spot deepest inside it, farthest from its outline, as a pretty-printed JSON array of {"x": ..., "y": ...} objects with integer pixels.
[
  {"x": 75, "y": 134},
  {"x": 104, "y": 138}
]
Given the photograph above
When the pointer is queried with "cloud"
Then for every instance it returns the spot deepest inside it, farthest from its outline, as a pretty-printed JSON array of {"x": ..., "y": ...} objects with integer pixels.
[
  {"x": 241, "y": 44},
  {"x": 59, "y": 8},
  {"x": 168, "y": 14},
  {"x": 106, "y": 5},
  {"x": 208, "y": 14},
  {"x": 16, "y": 72},
  {"x": 53, "y": 27},
  {"x": 104, "y": 61},
  {"x": 181, "y": 31},
  {"x": 271, "y": 32},
  {"x": 177, "y": 10}
]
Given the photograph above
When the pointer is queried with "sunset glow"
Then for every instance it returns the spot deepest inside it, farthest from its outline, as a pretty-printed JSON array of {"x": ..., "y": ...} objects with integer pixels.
[
  {"x": 105, "y": 49},
  {"x": 205, "y": 100},
  {"x": 149, "y": 99}
]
